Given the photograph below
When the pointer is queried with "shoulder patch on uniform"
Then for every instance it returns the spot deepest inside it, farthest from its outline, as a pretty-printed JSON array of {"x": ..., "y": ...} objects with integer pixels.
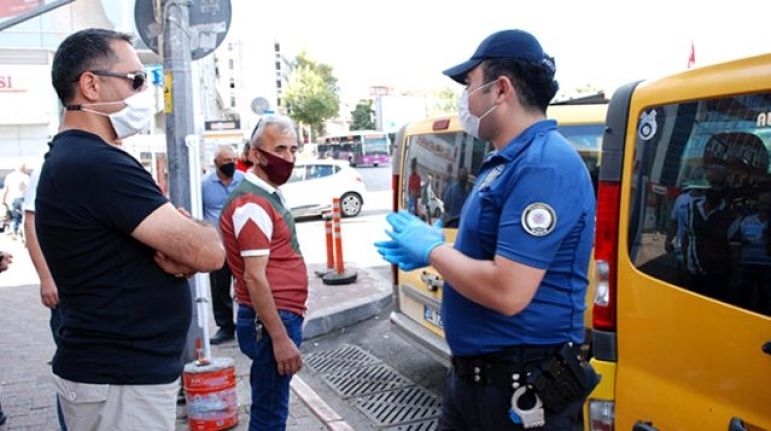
[{"x": 539, "y": 219}]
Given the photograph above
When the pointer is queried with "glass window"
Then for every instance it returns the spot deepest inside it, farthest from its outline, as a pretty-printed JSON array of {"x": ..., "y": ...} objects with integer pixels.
[
  {"x": 701, "y": 198},
  {"x": 376, "y": 146},
  {"x": 319, "y": 171},
  {"x": 587, "y": 139},
  {"x": 298, "y": 174},
  {"x": 439, "y": 173}
]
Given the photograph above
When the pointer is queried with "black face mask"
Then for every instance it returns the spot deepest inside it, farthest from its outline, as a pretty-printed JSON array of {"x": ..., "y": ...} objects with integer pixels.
[{"x": 228, "y": 169}]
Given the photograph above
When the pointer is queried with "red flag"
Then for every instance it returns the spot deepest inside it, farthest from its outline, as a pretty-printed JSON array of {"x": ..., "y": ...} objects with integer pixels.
[{"x": 692, "y": 57}]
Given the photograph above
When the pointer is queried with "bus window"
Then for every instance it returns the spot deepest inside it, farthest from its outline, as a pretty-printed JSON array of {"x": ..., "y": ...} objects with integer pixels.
[{"x": 359, "y": 148}]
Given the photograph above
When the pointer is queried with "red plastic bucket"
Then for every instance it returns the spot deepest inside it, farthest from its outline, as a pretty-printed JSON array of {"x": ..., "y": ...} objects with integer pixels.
[{"x": 210, "y": 390}]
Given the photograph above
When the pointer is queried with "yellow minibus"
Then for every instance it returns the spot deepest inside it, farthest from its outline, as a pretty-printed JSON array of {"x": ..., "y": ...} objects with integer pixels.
[{"x": 682, "y": 312}]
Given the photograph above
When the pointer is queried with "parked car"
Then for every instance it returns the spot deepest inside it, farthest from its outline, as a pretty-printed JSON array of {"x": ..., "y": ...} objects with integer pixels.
[{"x": 314, "y": 183}]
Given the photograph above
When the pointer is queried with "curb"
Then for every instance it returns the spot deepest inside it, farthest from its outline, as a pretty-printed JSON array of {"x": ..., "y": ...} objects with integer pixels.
[{"x": 350, "y": 312}]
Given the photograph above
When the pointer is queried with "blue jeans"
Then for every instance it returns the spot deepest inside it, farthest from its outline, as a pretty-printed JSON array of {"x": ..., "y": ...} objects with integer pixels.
[
  {"x": 473, "y": 407},
  {"x": 270, "y": 391}
]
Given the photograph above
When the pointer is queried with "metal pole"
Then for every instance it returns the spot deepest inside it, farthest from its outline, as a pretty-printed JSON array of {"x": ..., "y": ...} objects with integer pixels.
[
  {"x": 178, "y": 91},
  {"x": 177, "y": 97}
]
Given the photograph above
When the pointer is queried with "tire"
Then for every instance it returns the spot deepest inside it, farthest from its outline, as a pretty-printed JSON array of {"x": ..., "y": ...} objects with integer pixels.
[{"x": 350, "y": 204}]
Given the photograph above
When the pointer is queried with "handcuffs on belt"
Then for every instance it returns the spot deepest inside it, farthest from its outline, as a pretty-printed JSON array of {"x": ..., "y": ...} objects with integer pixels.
[
  {"x": 559, "y": 381},
  {"x": 531, "y": 418}
]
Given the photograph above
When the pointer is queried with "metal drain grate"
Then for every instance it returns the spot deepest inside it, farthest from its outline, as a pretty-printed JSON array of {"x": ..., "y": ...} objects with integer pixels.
[
  {"x": 362, "y": 381},
  {"x": 341, "y": 358},
  {"x": 399, "y": 407},
  {"x": 431, "y": 425}
]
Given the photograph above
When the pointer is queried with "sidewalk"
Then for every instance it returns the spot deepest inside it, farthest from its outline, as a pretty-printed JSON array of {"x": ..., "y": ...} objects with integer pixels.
[{"x": 26, "y": 390}]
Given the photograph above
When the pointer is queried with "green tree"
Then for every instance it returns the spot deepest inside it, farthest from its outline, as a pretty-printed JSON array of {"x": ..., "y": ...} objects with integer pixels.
[
  {"x": 445, "y": 103},
  {"x": 363, "y": 116},
  {"x": 311, "y": 96}
]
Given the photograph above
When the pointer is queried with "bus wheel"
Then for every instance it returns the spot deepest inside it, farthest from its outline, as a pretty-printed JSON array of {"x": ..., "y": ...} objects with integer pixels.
[{"x": 350, "y": 204}]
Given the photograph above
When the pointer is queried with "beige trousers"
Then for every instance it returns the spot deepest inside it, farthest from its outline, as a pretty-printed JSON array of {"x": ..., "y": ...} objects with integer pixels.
[{"x": 97, "y": 407}]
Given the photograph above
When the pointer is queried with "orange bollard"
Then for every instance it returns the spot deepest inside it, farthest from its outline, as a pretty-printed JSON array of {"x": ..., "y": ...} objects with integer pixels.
[
  {"x": 330, "y": 244},
  {"x": 337, "y": 275},
  {"x": 337, "y": 236}
]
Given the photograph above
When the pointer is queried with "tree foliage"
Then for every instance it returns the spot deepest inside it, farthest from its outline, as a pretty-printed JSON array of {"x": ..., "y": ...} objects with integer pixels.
[
  {"x": 311, "y": 96},
  {"x": 445, "y": 103},
  {"x": 363, "y": 116}
]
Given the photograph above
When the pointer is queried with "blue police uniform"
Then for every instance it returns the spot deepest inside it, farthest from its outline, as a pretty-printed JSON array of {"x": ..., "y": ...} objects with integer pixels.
[{"x": 532, "y": 203}]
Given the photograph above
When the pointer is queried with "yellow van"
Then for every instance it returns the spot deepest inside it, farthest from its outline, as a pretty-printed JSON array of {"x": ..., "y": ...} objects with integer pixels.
[
  {"x": 427, "y": 159},
  {"x": 682, "y": 315}
]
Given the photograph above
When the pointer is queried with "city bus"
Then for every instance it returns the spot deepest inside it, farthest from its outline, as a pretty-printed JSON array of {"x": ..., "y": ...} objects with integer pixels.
[
  {"x": 358, "y": 147},
  {"x": 437, "y": 149}
]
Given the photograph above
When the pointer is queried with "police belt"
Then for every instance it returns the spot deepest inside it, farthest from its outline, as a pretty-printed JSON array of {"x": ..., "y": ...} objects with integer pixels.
[{"x": 504, "y": 368}]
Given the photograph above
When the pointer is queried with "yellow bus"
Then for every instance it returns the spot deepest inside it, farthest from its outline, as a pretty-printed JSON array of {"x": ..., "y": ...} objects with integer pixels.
[
  {"x": 682, "y": 314},
  {"x": 428, "y": 157}
]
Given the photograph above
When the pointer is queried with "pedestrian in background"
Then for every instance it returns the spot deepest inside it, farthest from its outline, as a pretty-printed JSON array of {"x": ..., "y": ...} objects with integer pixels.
[
  {"x": 14, "y": 186},
  {"x": 271, "y": 276},
  {"x": 413, "y": 188},
  {"x": 516, "y": 277},
  {"x": 118, "y": 251},
  {"x": 215, "y": 188},
  {"x": 5, "y": 260},
  {"x": 243, "y": 163},
  {"x": 49, "y": 295},
  {"x": 454, "y": 197}
]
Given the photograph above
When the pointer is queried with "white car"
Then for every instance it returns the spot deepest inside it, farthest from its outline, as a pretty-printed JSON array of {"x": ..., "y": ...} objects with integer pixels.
[{"x": 314, "y": 183}]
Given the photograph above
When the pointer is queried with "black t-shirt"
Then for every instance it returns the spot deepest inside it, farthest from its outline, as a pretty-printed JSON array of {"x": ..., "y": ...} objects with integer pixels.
[{"x": 124, "y": 320}]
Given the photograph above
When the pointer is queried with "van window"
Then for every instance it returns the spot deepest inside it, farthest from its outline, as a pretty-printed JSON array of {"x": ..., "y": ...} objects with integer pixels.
[
  {"x": 701, "y": 198},
  {"x": 436, "y": 158}
]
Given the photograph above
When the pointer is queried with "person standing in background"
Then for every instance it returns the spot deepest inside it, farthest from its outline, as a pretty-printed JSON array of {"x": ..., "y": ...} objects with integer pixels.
[
  {"x": 454, "y": 198},
  {"x": 413, "y": 188},
  {"x": 215, "y": 188},
  {"x": 271, "y": 275},
  {"x": 5, "y": 260},
  {"x": 15, "y": 185}
]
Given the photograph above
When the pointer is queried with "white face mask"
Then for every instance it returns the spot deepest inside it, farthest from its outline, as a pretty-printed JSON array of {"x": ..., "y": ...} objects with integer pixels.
[
  {"x": 133, "y": 118},
  {"x": 469, "y": 121}
]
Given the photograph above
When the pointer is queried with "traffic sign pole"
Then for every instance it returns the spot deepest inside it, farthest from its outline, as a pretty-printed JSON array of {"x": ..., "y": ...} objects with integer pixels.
[{"x": 177, "y": 105}]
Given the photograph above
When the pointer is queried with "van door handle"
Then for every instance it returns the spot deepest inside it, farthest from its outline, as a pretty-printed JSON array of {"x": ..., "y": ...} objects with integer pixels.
[
  {"x": 736, "y": 424},
  {"x": 767, "y": 348},
  {"x": 432, "y": 281},
  {"x": 644, "y": 426}
]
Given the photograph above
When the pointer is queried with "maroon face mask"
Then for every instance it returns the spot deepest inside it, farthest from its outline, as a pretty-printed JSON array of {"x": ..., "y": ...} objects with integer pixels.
[{"x": 278, "y": 170}]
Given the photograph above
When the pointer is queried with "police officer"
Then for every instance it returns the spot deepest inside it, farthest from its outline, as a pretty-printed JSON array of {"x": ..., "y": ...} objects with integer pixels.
[{"x": 516, "y": 277}]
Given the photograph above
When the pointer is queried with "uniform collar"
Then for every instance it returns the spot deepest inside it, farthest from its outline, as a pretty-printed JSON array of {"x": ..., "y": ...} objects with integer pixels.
[{"x": 523, "y": 139}]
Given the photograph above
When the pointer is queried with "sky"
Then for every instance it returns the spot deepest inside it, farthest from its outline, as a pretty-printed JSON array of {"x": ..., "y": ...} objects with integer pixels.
[{"x": 407, "y": 43}]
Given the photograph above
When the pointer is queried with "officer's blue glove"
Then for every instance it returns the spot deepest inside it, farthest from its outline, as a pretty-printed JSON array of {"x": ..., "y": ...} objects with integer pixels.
[
  {"x": 395, "y": 254},
  {"x": 415, "y": 238}
]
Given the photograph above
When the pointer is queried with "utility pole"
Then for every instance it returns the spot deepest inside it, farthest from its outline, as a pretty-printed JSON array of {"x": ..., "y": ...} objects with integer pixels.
[
  {"x": 178, "y": 101},
  {"x": 178, "y": 107}
]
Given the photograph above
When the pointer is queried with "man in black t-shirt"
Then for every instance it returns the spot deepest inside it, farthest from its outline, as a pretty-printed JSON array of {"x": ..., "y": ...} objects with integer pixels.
[{"x": 118, "y": 251}]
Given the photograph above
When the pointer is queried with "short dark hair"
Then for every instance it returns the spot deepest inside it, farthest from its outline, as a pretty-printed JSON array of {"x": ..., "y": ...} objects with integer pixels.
[
  {"x": 83, "y": 50},
  {"x": 535, "y": 82}
]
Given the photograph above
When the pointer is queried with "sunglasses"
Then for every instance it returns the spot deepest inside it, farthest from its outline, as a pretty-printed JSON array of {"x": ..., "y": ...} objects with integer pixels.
[{"x": 137, "y": 79}]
